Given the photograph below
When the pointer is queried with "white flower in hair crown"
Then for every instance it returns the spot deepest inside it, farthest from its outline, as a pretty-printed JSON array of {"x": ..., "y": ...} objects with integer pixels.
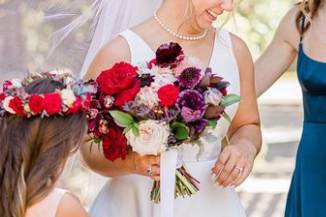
[{"x": 74, "y": 97}]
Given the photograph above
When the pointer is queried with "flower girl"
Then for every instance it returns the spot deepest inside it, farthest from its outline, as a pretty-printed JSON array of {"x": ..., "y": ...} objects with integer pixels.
[{"x": 41, "y": 124}]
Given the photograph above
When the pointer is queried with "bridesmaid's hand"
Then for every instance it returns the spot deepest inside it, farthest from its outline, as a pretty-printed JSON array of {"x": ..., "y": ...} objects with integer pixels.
[
  {"x": 234, "y": 164},
  {"x": 148, "y": 165}
]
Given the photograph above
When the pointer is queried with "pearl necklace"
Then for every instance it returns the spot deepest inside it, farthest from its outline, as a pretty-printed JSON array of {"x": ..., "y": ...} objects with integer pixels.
[{"x": 182, "y": 37}]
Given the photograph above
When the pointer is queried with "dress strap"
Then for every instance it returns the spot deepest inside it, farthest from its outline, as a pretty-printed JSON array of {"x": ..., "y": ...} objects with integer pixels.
[{"x": 140, "y": 51}]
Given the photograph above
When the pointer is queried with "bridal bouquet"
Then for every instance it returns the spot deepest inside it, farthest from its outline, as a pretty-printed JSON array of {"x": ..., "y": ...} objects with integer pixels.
[{"x": 155, "y": 107}]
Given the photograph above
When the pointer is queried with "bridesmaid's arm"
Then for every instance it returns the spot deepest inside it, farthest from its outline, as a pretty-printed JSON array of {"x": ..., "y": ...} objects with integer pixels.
[
  {"x": 115, "y": 51},
  {"x": 279, "y": 54},
  {"x": 236, "y": 160}
]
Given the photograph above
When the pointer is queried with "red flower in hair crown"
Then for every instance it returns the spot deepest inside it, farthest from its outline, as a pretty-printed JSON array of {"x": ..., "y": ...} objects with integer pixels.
[{"x": 75, "y": 96}]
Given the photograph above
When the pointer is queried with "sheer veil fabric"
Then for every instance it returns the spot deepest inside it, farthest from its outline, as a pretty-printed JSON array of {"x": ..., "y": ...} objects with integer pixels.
[{"x": 110, "y": 18}]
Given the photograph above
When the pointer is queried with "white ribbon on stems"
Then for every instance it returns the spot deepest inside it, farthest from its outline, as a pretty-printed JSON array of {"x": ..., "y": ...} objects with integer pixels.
[{"x": 169, "y": 161}]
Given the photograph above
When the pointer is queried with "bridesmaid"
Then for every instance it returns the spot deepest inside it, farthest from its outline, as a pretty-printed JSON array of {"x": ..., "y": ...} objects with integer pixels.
[{"x": 307, "y": 41}]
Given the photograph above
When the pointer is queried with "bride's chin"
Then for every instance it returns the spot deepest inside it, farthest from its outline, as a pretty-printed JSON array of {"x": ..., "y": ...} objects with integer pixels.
[{"x": 204, "y": 26}]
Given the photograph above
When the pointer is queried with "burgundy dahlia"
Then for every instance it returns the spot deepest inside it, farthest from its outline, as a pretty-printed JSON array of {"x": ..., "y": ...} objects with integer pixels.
[
  {"x": 192, "y": 105},
  {"x": 169, "y": 55},
  {"x": 190, "y": 77}
]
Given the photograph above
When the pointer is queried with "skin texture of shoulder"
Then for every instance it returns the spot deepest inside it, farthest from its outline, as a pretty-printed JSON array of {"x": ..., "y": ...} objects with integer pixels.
[{"x": 70, "y": 206}]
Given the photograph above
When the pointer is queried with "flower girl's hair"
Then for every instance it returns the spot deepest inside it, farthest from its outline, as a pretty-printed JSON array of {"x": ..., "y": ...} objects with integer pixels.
[{"x": 33, "y": 152}]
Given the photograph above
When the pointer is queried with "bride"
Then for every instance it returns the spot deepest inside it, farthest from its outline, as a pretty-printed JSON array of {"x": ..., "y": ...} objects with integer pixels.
[{"x": 219, "y": 168}]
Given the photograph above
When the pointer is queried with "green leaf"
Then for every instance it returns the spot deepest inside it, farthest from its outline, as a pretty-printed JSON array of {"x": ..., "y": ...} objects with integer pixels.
[
  {"x": 121, "y": 118},
  {"x": 180, "y": 130},
  {"x": 127, "y": 129},
  {"x": 230, "y": 100},
  {"x": 227, "y": 117},
  {"x": 212, "y": 123},
  {"x": 135, "y": 129}
]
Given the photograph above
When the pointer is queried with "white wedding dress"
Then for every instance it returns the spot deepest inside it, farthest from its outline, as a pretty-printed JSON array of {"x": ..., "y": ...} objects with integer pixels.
[{"x": 129, "y": 196}]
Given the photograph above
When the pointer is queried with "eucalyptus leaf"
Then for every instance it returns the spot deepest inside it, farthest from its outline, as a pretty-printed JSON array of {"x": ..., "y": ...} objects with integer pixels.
[
  {"x": 230, "y": 100},
  {"x": 212, "y": 123}
]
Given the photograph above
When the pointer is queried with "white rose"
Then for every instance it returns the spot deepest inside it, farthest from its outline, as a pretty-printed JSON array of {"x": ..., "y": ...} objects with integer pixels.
[
  {"x": 213, "y": 96},
  {"x": 68, "y": 97},
  {"x": 147, "y": 96},
  {"x": 5, "y": 104},
  {"x": 152, "y": 138}
]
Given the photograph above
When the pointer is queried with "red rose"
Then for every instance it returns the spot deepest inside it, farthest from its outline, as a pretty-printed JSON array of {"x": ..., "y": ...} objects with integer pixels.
[
  {"x": 2, "y": 96},
  {"x": 114, "y": 144},
  {"x": 76, "y": 106},
  {"x": 36, "y": 104},
  {"x": 119, "y": 78},
  {"x": 16, "y": 104},
  {"x": 6, "y": 85},
  {"x": 52, "y": 103},
  {"x": 127, "y": 95},
  {"x": 168, "y": 94}
]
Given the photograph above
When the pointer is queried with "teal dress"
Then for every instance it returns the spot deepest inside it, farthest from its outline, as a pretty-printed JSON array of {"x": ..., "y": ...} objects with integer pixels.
[{"x": 307, "y": 195}]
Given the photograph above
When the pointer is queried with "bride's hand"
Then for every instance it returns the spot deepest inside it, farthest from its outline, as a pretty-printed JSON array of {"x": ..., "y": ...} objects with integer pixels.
[
  {"x": 148, "y": 165},
  {"x": 234, "y": 164}
]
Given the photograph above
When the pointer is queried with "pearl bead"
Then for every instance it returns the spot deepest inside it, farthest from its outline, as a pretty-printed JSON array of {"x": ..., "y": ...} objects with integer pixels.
[{"x": 182, "y": 37}]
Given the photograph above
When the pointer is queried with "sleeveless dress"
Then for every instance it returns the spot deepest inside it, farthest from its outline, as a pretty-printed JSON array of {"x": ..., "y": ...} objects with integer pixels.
[
  {"x": 129, "y": 196},
  {"x": 48, "y": 206},
  {"x": 307, "y": 195}
]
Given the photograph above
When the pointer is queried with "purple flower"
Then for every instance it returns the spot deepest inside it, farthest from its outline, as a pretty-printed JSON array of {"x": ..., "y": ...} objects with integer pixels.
[
  {"x": 171, "y": 113},
  {"x": 169, "y": 55},
  {"x": 190, "y": 77},
  {"x": 199, "y": 126},
  {"x": 192, "y": 105},
  {"x": 209, "y": 79}
]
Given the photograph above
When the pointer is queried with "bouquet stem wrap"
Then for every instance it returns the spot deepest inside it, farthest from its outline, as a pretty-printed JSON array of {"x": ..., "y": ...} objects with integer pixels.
[{"x": 168, "y": 170}]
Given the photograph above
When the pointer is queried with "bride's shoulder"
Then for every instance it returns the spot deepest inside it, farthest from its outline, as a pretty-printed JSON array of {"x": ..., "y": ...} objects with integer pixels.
[{"x": 116, "y": 50}]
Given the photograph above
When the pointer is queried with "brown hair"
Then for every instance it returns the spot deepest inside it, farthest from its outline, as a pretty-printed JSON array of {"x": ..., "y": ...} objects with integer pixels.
[
  {"x": 33, "y": 153},
  {"x": 308, "y": 9}
]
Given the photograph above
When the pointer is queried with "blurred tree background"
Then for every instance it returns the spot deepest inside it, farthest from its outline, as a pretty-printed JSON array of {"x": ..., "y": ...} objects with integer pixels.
[{"x": 27, "y": 28}]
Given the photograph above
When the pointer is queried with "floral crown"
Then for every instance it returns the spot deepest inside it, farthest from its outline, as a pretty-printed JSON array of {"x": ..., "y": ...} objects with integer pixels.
[{"x": 75, "y": 96}]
